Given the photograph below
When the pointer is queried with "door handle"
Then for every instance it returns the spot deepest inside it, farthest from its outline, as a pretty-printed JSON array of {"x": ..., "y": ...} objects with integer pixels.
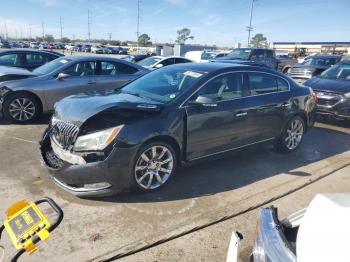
[
  {"x": 91, "y": 82},
  {"x": 241, "y": 114}
]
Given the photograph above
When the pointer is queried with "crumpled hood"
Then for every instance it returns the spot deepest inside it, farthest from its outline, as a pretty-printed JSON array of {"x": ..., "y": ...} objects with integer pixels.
[
  {"x": 77, "y": 109},
  {"x": 333, "y": 85},
  {"x": 5, "y": 70}
]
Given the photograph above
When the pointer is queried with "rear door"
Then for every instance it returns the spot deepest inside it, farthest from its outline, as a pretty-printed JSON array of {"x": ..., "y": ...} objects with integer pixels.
[
  {"x": 81, "y": 79},
  {"x": 113, "y": 75},
  {"x": 267, "y": 104},
  {"x": 217, "y": 128}
]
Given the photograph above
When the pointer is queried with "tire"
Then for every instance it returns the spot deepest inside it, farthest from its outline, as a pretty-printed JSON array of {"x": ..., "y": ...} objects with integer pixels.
[
  {"x": 30, "y": 105},
  {"x": 291, "y": 136},
  {"x": 150, "y": 175}
]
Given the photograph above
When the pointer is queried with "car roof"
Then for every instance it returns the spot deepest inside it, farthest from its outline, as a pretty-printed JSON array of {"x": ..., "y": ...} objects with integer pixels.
[
  {"x": 211, "y": 66},
  {"x": 31, "y": 50},
  {"x": 325, "y": 56}
]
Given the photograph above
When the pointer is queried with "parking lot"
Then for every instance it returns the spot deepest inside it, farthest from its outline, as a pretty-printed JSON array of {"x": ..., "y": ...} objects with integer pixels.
[{"x": 198, "y": 197}]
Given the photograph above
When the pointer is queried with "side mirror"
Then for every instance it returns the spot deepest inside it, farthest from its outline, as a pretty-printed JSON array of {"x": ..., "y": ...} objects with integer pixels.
[
  {"x": 206, "y": 101},
  {"x": 62, "y": 76},
  {"x": 159, "y": 66}
]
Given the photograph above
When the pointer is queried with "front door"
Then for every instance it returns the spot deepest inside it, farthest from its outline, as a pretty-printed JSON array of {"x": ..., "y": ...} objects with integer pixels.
[
  {"x": 220, "y": 127},
  {"x": 81, "y": 78}
]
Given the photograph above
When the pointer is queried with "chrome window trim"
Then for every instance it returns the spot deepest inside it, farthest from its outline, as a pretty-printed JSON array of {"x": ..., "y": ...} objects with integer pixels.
[
  {"x": 234, "y": 148},
  {"x": 225, "y": 73}
]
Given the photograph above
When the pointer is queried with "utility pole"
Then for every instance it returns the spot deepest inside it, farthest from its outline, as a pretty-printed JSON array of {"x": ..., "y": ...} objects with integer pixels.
[
  {"x": 6, "y": 34},
  {"x": 250, "y": 28},
  {"x": 43, "y": 28},
  {"x": 110, "y": 37},
  {"x": 30, "y": 31},
  {"x": 89, "y": 24},
  {"x": 138, "y": 23},
  {"x": 61, "y": 27}
]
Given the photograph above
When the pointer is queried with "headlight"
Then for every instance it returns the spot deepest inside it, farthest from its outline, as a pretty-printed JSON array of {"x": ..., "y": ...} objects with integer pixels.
[
  {"x": 347, "y": 95},
  {"x": 97, "y": 141}
]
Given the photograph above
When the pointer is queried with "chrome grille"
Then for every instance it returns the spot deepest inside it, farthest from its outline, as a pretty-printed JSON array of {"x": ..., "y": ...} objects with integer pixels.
[
  {"x": 327, "y": 99},
  {"x": 64, "y": 133}
]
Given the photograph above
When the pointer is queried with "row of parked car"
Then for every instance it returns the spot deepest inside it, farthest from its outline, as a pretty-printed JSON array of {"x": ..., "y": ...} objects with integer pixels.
[{"x": 92, "y": 73}]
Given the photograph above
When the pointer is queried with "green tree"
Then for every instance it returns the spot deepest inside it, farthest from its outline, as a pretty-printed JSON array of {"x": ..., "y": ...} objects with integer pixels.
[
  {"x": 259, "y": 40},
  {"x": 49, "y": 38},
  {"x": 144, "y": 40},
  {"x": 183, "y": 35},
  {"x": 65, "y": 40}
]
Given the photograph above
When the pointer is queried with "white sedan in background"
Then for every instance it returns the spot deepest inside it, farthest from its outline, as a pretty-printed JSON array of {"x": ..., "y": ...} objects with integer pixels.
[{"x": 155, "y": 62}]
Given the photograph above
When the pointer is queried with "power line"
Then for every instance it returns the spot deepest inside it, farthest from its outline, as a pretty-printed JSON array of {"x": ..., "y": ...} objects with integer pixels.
[{"x": 250, "y": 28}]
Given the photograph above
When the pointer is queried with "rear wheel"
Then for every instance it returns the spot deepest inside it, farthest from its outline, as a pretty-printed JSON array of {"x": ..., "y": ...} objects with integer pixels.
[
  {"x": 155, "y": 164},
  {"x": 292, "y": 135},
  {"x": 21, "y": 107}
]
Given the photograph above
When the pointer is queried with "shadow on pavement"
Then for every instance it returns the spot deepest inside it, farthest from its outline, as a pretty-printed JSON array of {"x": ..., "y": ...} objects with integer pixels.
[{"x": 242, "y": 168}]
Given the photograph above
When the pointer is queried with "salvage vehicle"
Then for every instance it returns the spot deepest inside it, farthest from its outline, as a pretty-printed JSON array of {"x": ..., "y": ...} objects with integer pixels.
[
  {"x": 24, "y": 100},
  {"x": 255, "y": 55},
  {"x": 313, "y": 66},
  {"x": 332, "y": 88},
  {"x": 299, "y": 238},
  {"x": 155, "y": 62},
  {"x": 8, "y": 73},
  {"x": 136, "y": 137},
  {"x": 27, "y": 58}
]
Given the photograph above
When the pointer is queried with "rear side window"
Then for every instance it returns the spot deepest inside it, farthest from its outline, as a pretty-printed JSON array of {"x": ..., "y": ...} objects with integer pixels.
[
  {"x": 282, "y": 85},
  {"x": 111, "y": 69},
  {"x": 262, "y": 83},
  {"x": 9, "y": 59},
  {"x": 268, "y": 54},
  {"x": 167, "y": 62}
]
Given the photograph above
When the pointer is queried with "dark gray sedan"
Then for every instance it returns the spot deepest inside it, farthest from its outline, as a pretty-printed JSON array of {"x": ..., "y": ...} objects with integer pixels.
[{"x": 24, "y": 100}]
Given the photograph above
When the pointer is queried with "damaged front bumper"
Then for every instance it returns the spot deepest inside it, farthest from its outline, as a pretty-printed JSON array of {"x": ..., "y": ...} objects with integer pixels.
[
  {"x": 103, "y": 177},
  {"x": 271, "y": 243}
]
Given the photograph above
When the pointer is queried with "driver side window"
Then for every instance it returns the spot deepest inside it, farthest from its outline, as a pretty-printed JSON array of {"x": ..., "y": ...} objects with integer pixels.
[
  {"x": 225, "y": 87},
  {"x": 81, "y": 69}
]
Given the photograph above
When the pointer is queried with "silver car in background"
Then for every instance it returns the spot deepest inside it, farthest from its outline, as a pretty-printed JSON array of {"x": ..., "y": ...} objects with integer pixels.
[{"x": 24, "y": 100}]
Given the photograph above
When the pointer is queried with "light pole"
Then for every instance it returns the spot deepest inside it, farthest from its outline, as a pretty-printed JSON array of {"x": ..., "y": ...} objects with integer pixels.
[{"x": 250, "y": 28}]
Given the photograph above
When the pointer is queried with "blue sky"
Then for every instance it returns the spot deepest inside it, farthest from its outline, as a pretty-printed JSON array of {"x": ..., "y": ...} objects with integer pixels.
[{"x": 220, "y": 22}]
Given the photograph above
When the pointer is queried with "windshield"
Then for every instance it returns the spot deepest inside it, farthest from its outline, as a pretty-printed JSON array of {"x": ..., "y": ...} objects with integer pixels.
[
  {"x": 337, "y": 72},
  {"x": 163, "y": 85},
  {"x": 149, "y": 61},
  {"x": 320, "y": 61},
  {"x": 240, "y": 53},
  {"x": 51, "y": 66},
  {"x": 207, "y": 56}
]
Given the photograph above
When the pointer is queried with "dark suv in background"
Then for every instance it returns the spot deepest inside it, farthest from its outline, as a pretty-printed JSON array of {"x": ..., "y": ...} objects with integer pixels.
[
  {"x": 313, "y": 66},
  {"x": 256, "y": 56}
]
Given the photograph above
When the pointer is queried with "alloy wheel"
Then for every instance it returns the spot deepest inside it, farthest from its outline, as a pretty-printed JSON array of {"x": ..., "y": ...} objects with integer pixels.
[
  {"x": 154, "y": 167},
  {"x": 294, "y": 134},
  {"x": 22, "y": 109}
]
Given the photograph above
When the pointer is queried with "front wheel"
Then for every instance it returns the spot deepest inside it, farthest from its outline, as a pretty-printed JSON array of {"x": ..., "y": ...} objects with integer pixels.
[
  {"x": 21, "y": 108},
  {"x": 155, "y": 164},
  {"x": 292, "y": 135}
]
